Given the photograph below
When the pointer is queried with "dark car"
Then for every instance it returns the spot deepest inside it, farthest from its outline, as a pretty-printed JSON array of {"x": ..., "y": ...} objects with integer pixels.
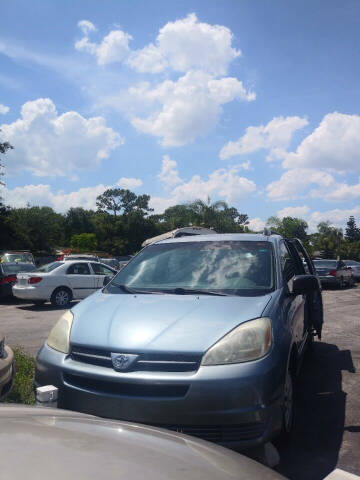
[
  {"x": 334, "y": 273},
  {"x": 204, "y": 335},
  {"x": 8, "y": 273},
  {"x": 355, "y": 267}
]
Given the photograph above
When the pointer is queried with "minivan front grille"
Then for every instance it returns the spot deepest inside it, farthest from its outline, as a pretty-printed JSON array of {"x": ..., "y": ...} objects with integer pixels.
[
  {"x": 126, "y": 389},
  {"x": 146, "y": 362}
]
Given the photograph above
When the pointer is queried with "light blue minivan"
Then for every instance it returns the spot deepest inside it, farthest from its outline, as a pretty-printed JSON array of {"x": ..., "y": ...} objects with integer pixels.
[{"x": 202, "y": 334}]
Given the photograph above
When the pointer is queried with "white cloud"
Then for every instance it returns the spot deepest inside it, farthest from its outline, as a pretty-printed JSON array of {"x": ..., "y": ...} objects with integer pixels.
[
  {"x": 48, "y": 144},
  {"x": 338, "y": 217},
  {"x": 187, "y": 44},
  {"x": 299, "y": 212},
  {"x": 86, "y": 26},
  {"x": 275, "y": 137},
  {"x": 256, "y": 224},
  {"x": 148, "y": 59},
  {"x": 4, "y": 109},
  {"x": 114, "y": 47},
  {"x": 295, "y": 181},
  {"x": 189, "y": 107},
  {"x": 179, "y": 110},
  {"x": 334, "y": 144},
  {"x": 42, "y": 195},
  {"x": 129, "y": 183},
  {"x": 225, "y": 184},
  {"x": 246, "y": 165},
  {"x": 169, "y": 174}
]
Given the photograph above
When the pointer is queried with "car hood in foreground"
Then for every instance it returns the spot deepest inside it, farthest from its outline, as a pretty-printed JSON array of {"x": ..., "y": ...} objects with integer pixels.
[
  {"x": 38, "y": 443},
  {"x": 176, "y": 323}
]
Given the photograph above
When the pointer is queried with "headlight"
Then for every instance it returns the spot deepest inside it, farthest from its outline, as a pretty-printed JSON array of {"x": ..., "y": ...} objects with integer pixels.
[
  {"x": 59, "y": 338},
  {"x": 249, "y": 341}
]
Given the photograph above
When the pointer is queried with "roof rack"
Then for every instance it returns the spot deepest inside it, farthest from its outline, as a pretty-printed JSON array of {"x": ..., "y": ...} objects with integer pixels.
[{"x": 267, "y": 232}]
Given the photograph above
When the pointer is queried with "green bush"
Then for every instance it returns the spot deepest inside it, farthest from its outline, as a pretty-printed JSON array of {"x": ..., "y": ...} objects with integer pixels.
[{"x": 23, "y": 388}]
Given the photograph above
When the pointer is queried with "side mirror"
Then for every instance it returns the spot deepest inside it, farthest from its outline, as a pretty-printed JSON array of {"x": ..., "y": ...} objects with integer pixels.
[
  {"x": 107, "y": 280},
  {"x": 303, "y": 284}
]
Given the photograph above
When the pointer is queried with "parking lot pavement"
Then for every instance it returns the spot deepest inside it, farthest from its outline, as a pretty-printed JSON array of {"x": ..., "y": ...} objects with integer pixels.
[
  {"x": 327, "y": 428},
  {"x": 327, "y": 433},
  {"x": 27, "y": 325}
]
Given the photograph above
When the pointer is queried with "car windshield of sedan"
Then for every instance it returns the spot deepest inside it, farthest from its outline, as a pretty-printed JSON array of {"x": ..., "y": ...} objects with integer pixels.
[
  {"x": 208, "y": 267},
  {"x": 49, "y": 267},
  {"x": 325, "y": 263},
  {"x": 17, "y": 268}
]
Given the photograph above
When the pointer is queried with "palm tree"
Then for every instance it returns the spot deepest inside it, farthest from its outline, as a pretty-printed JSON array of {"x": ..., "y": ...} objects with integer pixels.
[{"x": 207, "y": 212}]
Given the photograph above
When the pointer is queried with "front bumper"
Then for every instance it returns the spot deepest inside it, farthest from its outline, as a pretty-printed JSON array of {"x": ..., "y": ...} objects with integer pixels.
[
  {"x": 235, "y": 405},
  {"x": 7, "y": 372}
]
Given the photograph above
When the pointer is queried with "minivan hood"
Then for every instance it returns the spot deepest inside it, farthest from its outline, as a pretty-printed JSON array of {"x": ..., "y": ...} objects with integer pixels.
[{"x": 156, "y": 323}]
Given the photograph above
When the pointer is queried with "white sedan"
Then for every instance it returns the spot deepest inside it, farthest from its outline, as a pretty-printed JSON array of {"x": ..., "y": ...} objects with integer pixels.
[{"x": 61, "y": 282}]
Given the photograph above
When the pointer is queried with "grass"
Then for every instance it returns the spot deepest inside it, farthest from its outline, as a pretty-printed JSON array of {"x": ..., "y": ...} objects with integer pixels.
[{"x": 23, "y": 388}]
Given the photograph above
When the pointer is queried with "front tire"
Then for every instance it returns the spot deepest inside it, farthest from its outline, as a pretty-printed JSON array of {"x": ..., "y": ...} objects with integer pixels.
[{"x": 61, "y": 297}]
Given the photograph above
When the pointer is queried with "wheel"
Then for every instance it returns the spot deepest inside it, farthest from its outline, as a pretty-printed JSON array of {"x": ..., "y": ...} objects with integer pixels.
[{"x": 61, "y": 297}]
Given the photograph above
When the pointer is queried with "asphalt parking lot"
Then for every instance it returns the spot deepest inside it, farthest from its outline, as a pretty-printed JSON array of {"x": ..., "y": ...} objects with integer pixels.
[{"x": 327, "y": 433}]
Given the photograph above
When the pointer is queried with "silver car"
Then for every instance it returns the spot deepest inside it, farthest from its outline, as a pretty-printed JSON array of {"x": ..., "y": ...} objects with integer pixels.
[
  {"x": 6, "y": 367},
  {"x": 39, "y": 443},
  {"x": 203, "y": 335}
]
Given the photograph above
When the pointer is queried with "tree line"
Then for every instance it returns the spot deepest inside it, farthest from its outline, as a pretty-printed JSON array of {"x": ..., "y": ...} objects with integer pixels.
[{"x": 122, "y": 220}]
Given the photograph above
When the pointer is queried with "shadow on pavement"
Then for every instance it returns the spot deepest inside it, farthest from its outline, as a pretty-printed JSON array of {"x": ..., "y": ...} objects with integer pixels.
[
  {"x": 312, "y": 451},
  {"x": 31, "y": 307},
  {"x": 45, "y": 306}
]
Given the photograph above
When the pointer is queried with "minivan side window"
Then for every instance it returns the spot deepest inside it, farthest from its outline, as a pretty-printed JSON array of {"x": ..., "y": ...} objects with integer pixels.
[{"x": 287, "y": 263}]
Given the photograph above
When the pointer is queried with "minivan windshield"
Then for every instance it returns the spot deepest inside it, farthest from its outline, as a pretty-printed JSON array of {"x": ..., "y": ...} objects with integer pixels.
[{"x": 202, "y": 267}]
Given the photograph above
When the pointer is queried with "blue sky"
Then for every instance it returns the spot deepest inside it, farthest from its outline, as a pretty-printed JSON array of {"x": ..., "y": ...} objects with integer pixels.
[{"x": 254, "y": 102}]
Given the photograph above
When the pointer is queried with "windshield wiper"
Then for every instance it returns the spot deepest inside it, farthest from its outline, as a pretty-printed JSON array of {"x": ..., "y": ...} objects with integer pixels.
[
  {"x": 176, "y": 291},
  {"x": 194, "y": 291},
  {"x": 133, "y": 291}
]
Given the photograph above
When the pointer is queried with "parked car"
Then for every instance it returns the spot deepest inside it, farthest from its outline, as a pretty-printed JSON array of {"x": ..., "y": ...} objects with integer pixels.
[
  {"x": 179, "y": 232},
  {"x": 81, "y": 256},
  {"x": 203, "y": 335},
  {"x": 6, "y": 367},
  {"x": 51, "y": 443},
  {"x": 8, "y": 276},
  {"x": 61, "y": 282},
  {"x": 22, "y": 256},
  {"x": 355, "y": 267},
  {"x": 334, "y": 273}
]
